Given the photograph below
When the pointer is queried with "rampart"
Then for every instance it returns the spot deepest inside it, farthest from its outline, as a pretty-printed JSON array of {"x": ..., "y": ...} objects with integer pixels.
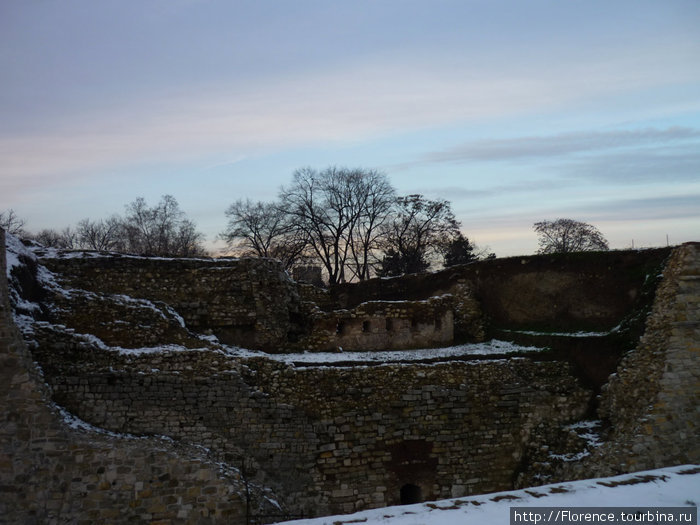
[
  {"x": 590, "y": 291},
  {"x": 250, "y": 302},
  {"x": 253, "y": 303},
  {"x": 653, "y": 401},
  {"x": 328, "y": 439},
  {"x": 56, "y": 469}
]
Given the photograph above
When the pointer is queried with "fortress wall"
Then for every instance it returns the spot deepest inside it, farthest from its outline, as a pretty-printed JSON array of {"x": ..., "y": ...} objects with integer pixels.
[
  {"x": 53, "y": 473},
  {"x": 329, "y": 440},
  {"x": 382, "y": 325},
  {"x": 252, "y": 303},
  {"x": 653, "y": 401},
  {"x": 336, "y": 439},
  {"x": 248, "y": 302},
  {"x": 591, "y": 291}
]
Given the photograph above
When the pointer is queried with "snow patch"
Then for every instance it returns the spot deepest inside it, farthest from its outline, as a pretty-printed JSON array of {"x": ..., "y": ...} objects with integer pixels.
[
  {"x": 563, "y": 334},
  {"x": 489, "y": 348}
]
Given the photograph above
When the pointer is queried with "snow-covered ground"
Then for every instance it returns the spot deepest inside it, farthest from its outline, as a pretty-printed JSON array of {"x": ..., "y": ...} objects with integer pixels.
[
  {"x": 666, "y": 487},
  {"x": 489, "y": 348},
  {"x": 564, "y": 334}
]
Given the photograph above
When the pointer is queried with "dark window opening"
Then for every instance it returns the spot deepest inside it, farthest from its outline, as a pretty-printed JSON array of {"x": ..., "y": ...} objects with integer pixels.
[
  {"x": 340, "y": 327},
  {"x": 389, "y": 325},
  {"x": 365, "y": 326},
  {"x": 411, "y": 494},
  {"x": 414, "y": 324}
]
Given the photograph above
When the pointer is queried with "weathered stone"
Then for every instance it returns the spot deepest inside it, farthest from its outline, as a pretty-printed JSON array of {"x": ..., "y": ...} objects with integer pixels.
[{"x": 323, "y": 439}]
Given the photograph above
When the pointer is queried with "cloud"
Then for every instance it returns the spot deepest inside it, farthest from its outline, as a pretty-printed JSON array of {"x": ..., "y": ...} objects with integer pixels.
[
  {"x": 561, "y": 145},
  {"x": 464, "y": 193},
  {"x": 671, "y": 164},
  {"x": 349, "y": 102},
  {"x": 685, "y": 207}
]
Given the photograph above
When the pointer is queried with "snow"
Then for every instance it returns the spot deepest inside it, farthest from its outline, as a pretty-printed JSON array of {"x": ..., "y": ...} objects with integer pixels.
[
  {"x": 667, "y": 487},
  {"x": 76, "y": 423},
  {"x": 562, "y": 334},
  {"x": 145, "y": 303},
  {"x": 162, "y": 349},
  {"x": 489, "y": 348},
  {"x": 15, "y": 249},
  {"x": 588, "y": 431},
  {"x": 58, "y": 253}
]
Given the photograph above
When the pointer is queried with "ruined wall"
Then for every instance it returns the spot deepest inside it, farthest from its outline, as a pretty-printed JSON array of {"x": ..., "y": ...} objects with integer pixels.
[
  {"x": 252, "y": 303},
  {"x": 327, "y": 440},
  {"x": 52, "y": 473},
  {"x": 653, "y": 402},
  {"x": 649, "y": 409},
  {"x": 566, "y": 292},
  {"x": 337, "y": 439},
  {"x": 249, "y": 302},
  {"x": 379, "y": 325}
]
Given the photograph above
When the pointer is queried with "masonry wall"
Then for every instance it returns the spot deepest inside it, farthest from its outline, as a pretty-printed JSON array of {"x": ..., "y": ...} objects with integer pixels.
[
  {"x": 381, "y": 325},
  {"x": 252, "y": 303},
  {"x": 248, "y": 302},
  {"x": 589, "y": 291},
  {"x": 650, "y": 407},
  {"x": 653, "y": 401},
  {"x": 52, "y": 473},
  {"x": 328, "y": 440}
]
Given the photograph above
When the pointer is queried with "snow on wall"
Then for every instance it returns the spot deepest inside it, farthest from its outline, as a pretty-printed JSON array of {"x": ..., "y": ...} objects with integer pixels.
[{"x": 57, "y": 469}]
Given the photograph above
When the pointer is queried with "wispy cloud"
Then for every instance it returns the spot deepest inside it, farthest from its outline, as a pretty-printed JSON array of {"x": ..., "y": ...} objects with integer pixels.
[
  {"x": 669, "y": 164},
  {"x": 350, "y": 102},
  {"x": 646, "y": 209},
  {"x": 561, "y": 145},
  {"x": 519, "y": 187}
]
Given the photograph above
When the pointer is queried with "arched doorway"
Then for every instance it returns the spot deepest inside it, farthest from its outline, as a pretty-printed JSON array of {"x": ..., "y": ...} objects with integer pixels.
[{"x": 411, "y": 493}]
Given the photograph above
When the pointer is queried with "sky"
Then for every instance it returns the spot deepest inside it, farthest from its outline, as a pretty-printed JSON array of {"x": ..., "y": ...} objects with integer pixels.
[{"x": 514, "y": 111}]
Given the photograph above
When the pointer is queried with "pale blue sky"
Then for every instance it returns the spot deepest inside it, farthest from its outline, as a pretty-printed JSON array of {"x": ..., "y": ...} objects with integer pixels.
[{"x": 515, "y": 111}]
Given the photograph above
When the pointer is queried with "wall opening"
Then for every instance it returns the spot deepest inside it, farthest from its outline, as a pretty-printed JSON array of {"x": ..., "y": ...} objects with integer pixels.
[
  {"x": 411, "y": 493},
  {"x": 389, "y": 325},
  {"x": 366, "y": 326},
  {"x": 340, "y": 328}
]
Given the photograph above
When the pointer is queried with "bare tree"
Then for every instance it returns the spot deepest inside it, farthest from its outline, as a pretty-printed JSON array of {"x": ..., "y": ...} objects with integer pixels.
[
  {"x": 104, "y": 235},
  {"x": 11, "y": 223},
  {"x": 568, "y": 235},
  {"x": 376, "y": 198},
  {"x": 65, "y": 239},
  {"x": 162, "y": 230},
  {"x": 330, "y": 208},
  {"x": 416, "y": 234},
  {"x": 264, "y": 230}
]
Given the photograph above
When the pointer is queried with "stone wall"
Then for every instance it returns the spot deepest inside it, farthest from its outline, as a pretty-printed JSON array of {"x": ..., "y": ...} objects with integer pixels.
[
  {"x": 653, "y": 402},
  {"x": 382, "y": 325},
  {"x": 591, "y": 291},
  {"x": 649, "y": 408},
  {"x": 248, "y": 302},
  {"x": 326, "y": 439},
  {"x": 253, "y": 303},
  {"x": 52, "y": 472}
]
